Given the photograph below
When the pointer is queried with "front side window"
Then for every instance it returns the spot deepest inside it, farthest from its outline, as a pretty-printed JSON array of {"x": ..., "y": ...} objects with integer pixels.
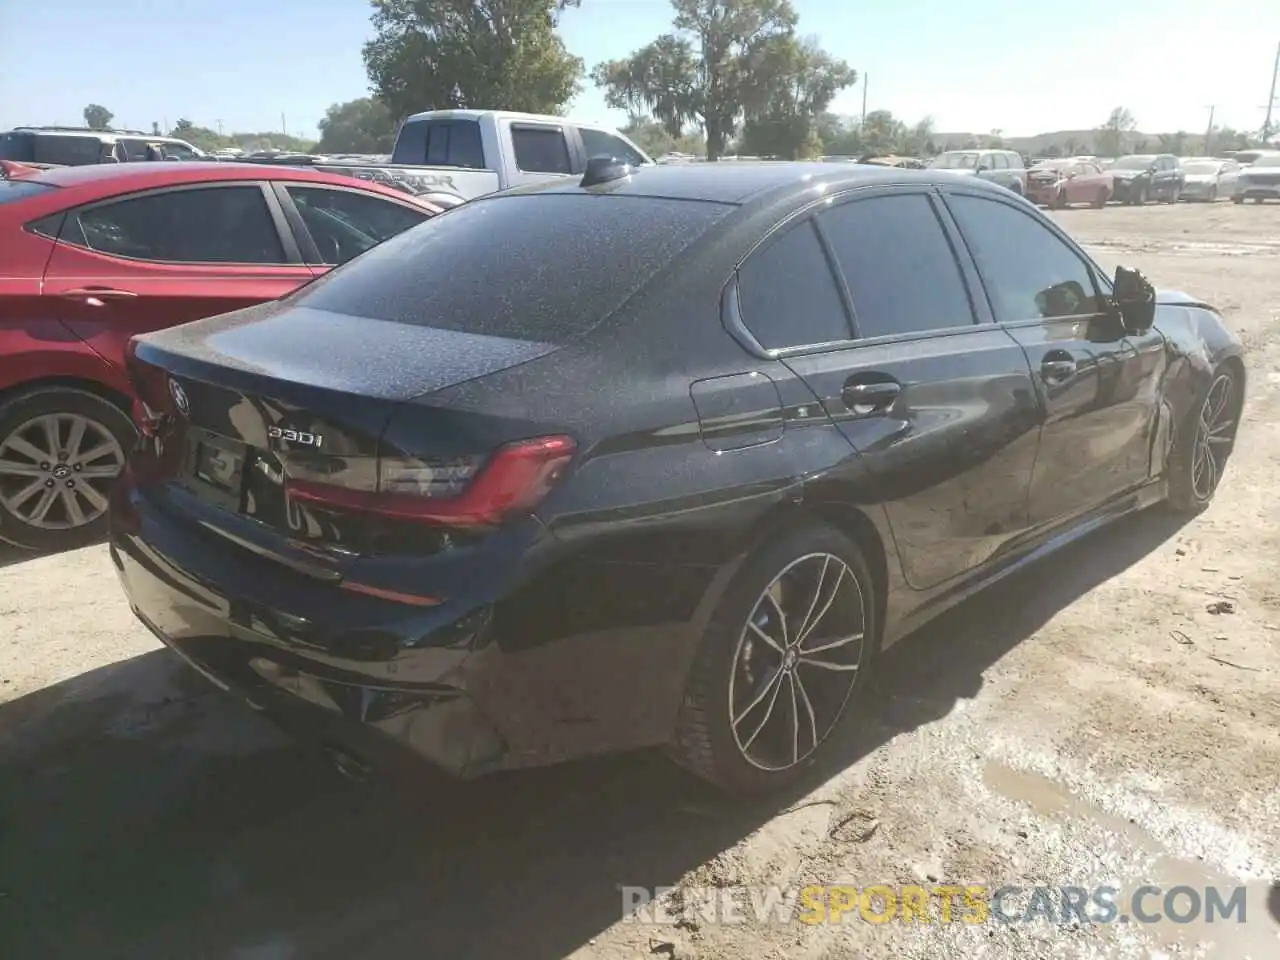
[
  {"x": 540, "y": 149},
  {"x": 1029, "y": 272},
  {"x": 788, "y": 294},
  {"x": 345, "y": 224},
  {"x": 210, "y": 225},
  {"x": 598, "y": 143},
  {"x": 901, "y": 270}
]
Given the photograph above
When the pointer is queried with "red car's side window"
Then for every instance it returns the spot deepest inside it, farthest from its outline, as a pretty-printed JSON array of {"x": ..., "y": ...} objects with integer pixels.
[{"x": 223, "y": 224}]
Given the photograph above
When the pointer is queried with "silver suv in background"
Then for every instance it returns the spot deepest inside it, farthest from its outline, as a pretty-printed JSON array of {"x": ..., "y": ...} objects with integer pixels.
[
  {"x": 1004, "y": 167},
  {"x": 78, "y": 146}
]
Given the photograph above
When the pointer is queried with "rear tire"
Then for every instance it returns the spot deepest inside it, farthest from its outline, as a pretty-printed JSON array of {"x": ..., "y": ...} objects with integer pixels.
[
  {"x": 53, "y": 500},
  {"x": 1213, "y": 194},
  {"x": 787, "y": 691},
  {"x": 1205, "y": 441}
]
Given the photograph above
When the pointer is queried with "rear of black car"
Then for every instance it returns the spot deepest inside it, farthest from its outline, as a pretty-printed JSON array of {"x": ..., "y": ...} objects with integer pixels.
[{"x": 308, "y": 521}]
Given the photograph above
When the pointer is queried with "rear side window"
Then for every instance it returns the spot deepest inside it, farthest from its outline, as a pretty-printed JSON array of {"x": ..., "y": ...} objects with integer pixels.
[
  {"x": 788, "y": 294},
  {"x": 541, "y": 267},
  {"x": 440, "y": 143},
  {"x": 540, "y": 149},
  {"x": 345, "y": 224},
  {"x": 17, "y": 146},
  {"x": 902, "y": 273},
  {"x": 70, "y": 151},
  {"x": 211, "y": 225},
  {"x": 13, "y": 190},
  {"x": 598, "y": 143}
]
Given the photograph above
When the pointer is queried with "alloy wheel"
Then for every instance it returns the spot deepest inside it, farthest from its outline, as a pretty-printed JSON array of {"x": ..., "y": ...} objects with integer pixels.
[
  {"x": 1215, "y": 433},
  {"x": 56, "y": 470},
  {"x": 796, "y": 662}
]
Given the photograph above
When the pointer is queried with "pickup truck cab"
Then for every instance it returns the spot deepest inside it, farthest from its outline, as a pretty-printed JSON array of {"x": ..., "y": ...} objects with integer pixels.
[{"x": 464, "y": 154}]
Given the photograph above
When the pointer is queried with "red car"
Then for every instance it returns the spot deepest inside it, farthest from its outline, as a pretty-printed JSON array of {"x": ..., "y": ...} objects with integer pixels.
[
  {"x": 1060, "y": 183},
  {"x": 91, "y": 255}
]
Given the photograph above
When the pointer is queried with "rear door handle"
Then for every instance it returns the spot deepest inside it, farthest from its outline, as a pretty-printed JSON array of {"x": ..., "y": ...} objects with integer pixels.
[
  {"x": 1057, "y": 370},
  {"x": 876, "y": 394}
]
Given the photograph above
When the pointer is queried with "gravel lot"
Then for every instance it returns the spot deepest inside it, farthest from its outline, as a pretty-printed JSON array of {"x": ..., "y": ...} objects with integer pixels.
[{"x": 1088, "y": 722}]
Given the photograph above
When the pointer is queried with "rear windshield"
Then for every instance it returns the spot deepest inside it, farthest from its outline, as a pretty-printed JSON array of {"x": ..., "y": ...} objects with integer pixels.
[
  {"x": 11, "y": 190},
  {"x": 545, "y": 267}
]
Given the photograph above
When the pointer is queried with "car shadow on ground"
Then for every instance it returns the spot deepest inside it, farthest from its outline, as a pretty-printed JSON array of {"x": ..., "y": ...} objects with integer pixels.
[{"x": 146, "y": 815}]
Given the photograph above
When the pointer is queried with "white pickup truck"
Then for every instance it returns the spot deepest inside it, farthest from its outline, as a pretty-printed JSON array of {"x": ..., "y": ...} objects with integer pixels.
[{"x": 456, "y": 155}]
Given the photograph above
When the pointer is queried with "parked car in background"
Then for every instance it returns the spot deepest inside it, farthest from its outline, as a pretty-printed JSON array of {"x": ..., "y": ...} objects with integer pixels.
[
  {"x": 1146, "y": 176},
  {"x": 1004, "y": 167},
  {"x": 892, "y": 160},
  {"x": 78, "y": 146},
  {"x": 1259, "y": 181},
  {"x": 1205, "y": 178},
  {"x": 91, "y": 255},
  {"x": 469, "y": 153},
  {"x": 1247, "y": 157},
  {"x": 676, "y": 480},
  {"x": 1061, "y": 183}
]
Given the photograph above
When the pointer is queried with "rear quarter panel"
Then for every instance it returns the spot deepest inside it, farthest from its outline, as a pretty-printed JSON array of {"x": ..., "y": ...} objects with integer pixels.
[{"x": 1198, "y": 342}]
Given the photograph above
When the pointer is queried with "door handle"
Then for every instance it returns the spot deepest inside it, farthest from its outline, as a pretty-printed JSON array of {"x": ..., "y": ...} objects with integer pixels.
[
  {"x": 97, "y": 293},
  {"x": 1057, "y": 370},
  {"x": 876, "y": 394}
]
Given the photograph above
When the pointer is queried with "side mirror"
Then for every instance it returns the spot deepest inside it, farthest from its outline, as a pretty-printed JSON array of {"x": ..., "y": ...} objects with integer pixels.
[{"x": 1135, "y": 299}]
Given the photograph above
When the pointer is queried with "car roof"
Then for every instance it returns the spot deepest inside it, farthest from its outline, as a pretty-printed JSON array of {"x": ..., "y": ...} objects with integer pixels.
[
  {"x": 108, "y": 136},
  {"x": 101, "y": 180},
  {"x": 469, "y": 114},
  {"x": 741, "y": 181}
]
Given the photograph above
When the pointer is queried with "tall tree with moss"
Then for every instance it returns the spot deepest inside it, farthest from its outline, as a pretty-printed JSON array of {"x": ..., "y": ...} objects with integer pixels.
[{"x": 482, "y": 54}]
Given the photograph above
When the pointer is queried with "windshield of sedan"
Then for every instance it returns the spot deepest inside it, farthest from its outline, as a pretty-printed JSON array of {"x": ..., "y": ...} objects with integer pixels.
[
  {"x": 1202, "y": 167},
  {"x": 1272, "y": 161},
  {"x": 955, "y": 160},
  {"x": 1138, "y": 162}
]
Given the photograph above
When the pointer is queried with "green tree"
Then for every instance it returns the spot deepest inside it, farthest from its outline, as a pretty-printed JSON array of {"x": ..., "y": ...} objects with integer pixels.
[
  {"x": 357, "y": 126},
  {"x": 1111, "y": 135},
  {"x": 801, "y": 80},
  {"x": 883, "y": 133},
  {"x": 485, "y": 54},
  {"x": 1175, "y": 143},
  {"x": 98, "y": 117},
  {"x": 706, "y": 71}
]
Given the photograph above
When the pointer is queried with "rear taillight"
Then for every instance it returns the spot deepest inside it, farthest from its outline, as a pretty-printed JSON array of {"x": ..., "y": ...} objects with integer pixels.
[{"x": 456, "y": 492}]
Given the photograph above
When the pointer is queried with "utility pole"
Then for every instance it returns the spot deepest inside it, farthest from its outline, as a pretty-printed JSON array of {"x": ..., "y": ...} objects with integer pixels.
[
  {"x": 219, "y": 123},
  {"x": 284, "y": 127},
  {"x": 864, "y": 98},
  {"x": 1271, "y": 97},
  {"x": 1208, "y": 133}
]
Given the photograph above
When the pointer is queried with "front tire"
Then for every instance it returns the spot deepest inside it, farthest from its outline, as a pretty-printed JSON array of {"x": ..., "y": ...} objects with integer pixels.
[
  {"x": 1213, "y": 194},
  {"x": 61, "y": 450},
  {"x": 1100, "y": 200},
  {"x": 1141, "y": 199},
  {"x": 780, "y": 662},
  {"x": 1205, "y": 442}
]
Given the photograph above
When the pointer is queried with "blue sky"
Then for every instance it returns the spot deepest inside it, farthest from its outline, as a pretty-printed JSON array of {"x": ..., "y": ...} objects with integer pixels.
[{"x": 1021, "y": 66}]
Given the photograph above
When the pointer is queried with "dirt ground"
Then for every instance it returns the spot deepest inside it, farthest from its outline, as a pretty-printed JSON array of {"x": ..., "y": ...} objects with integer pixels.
[{"x": 1087, "y": 722}]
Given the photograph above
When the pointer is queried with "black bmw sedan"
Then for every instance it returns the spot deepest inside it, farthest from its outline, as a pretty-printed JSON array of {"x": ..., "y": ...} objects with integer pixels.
[{"x": 662, "y": 457}]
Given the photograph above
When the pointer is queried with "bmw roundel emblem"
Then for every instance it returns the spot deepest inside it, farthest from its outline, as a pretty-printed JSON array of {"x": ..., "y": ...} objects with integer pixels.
[{"x": 179, "y": 397}]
